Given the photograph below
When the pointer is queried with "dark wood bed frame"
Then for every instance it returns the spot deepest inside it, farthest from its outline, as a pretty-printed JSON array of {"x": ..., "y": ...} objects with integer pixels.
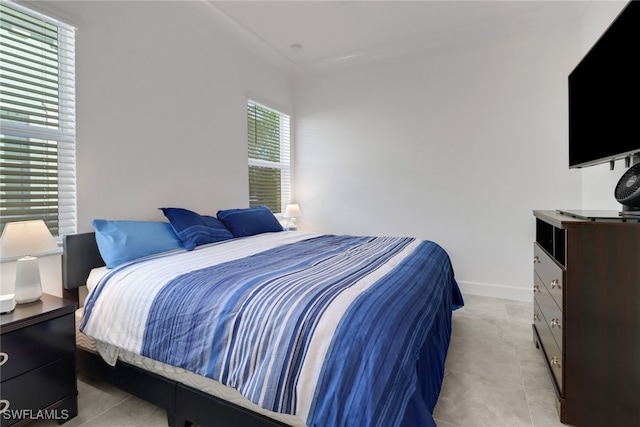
[{"x": 184, "y": 405}]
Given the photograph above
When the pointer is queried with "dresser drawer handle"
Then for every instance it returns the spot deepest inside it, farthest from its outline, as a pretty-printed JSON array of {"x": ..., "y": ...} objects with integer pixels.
[
  {"x": 536, "y": 288},
  {"x": 4, "y": 358},
  {"x": 536, "y": 317},
  {"x": 555, "y": 283},
  {"x": 536, "y": 259},
  {"x": 555, "y": 361},
  {"x": 555, "y": 322},
  {"x": 4, "y": 405}
]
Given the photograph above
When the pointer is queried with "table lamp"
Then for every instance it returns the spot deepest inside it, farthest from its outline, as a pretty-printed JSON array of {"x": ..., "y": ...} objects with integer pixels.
[
  {"x": 291, "y": 212},
  {"x": 24, "y": 239}
]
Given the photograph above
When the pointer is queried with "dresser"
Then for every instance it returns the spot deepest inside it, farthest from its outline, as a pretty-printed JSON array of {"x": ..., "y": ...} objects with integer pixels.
[
  {"x": 37, "y": 362},
  {"x": 586, "y": 316}
]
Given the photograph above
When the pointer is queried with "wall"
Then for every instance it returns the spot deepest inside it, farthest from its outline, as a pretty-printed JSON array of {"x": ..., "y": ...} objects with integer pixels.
[
  {"x": 599, "y": 182},
  {"x": 457, "y": 145},
  {"x": 161, "y": 111},
  {"x": 161, "y": 98}
]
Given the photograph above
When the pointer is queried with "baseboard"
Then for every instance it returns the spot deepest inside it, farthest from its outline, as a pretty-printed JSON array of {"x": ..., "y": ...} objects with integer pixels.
[{"x": 496, "y": 291}]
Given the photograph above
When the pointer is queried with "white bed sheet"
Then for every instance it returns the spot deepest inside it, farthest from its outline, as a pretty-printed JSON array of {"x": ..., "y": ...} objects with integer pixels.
[{"x": 94, "y": 277}]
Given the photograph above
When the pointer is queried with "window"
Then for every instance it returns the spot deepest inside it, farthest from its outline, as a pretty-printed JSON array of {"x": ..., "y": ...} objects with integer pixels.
[
  {"x": 37, "y": 119},
  {"x": 269, "y": 165}
]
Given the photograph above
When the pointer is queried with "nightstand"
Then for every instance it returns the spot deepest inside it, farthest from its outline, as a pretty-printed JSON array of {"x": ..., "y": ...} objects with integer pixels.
[{"x": 37, "y": 362}]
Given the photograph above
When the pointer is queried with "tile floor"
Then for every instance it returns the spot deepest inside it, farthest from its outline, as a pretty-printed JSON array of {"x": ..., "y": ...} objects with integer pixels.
[{"x": 494, "y": 377}]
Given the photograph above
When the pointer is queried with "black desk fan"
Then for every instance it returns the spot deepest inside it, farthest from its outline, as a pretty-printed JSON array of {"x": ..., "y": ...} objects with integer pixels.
[{"x": 627, "y": 191}]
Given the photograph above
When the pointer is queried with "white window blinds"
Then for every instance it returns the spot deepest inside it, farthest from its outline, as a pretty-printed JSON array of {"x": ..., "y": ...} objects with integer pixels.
[
  {"x": 269, "y": 160},
  {"x": 37, "y": 119}
]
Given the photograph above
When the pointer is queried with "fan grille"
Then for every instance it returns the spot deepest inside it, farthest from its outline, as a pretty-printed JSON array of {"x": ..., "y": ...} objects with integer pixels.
[{"x": 628, "y": 187}]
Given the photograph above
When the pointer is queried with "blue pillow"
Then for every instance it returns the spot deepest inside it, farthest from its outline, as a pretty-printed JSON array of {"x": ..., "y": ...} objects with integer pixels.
[
  {"x": 122, "y": 241},
  {"x": 249, "y": 221},
  {"x": 194, "y": 229}
]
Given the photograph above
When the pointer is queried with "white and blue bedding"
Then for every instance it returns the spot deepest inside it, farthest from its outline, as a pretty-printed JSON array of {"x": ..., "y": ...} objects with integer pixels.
[{"x": 336, "y": 330}]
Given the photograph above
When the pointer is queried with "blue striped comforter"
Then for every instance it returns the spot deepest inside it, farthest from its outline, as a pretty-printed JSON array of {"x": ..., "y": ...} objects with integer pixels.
[{"x": 337, "y": 330}]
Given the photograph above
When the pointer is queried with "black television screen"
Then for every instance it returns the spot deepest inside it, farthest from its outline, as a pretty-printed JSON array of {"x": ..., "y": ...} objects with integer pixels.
[{"x": 604, "y": 95}]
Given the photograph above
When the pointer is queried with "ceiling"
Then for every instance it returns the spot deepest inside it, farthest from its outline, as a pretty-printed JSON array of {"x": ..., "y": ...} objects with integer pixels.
[{"x": 336, "y": 30}]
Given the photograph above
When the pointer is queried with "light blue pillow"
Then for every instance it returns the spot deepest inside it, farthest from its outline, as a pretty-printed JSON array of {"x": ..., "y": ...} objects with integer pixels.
[
  {"x": 122, "y": 241},
  {"x": 249, "y": 221},
  {"x": 194, "y": 229}
]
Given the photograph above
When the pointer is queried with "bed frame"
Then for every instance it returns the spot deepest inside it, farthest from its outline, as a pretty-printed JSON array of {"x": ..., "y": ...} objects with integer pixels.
[{"x": 184, "y": 405}]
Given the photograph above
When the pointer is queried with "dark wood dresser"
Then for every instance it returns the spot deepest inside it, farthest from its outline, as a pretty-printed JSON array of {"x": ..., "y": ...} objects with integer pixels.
[
  {"x": 37, "y": 362},
  {"x": 587, "y": 314}
]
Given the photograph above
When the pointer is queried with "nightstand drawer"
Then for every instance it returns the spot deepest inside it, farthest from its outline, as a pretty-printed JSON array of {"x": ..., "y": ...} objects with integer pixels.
[
  {"x": 36, "y": 345},
  {"x": 550, "y": 273},
  {"x": 40, "y": 388}
]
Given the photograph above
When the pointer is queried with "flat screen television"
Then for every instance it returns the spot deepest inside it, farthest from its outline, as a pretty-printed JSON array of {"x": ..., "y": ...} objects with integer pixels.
[{"x": 604, "y": 95}]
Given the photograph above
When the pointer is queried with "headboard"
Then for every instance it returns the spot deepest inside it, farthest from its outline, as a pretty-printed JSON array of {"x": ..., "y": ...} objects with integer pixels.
[{"x": 80, "y": 255}]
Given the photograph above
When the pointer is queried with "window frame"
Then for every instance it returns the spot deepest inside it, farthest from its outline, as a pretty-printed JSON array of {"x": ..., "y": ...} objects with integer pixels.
[
  {"x": 284, "y": 163},
  {"x": 60, "y": 137}
]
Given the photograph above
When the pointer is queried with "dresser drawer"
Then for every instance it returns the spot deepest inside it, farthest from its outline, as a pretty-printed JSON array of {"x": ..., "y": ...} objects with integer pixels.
[
  {"x": 40, "y": 388},
  {"x": 549, "y": 272},
  {"x": 36, "y": 345},
  {"x": 551, "y": 313},
  {"x": 551, "y": 350}
]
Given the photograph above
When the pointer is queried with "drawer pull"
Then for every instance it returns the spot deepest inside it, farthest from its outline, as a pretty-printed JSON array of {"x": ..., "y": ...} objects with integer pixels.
[
  {"x": 4, "y": 358},
  {"x": 536, "y": 317},
  {"x": 555, "y": 361},
  {"x": 536, "y": 259},
  {"x": 555, "y": 283},
  {"x": 555, "y": 322},
  {"x": 536, "y": 288}
]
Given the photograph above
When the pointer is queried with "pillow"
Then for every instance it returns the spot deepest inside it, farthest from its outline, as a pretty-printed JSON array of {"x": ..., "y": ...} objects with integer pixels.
[
  {"x": 194, "y": 229},
  {"x": 249, "y": 221},
  {"x": 122, "y": 241}
]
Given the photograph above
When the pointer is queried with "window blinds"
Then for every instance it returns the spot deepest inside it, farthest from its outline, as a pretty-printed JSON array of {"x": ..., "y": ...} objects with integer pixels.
[
  {"x": 37, "y": 119},
  {"x": 269, "y": 159}
]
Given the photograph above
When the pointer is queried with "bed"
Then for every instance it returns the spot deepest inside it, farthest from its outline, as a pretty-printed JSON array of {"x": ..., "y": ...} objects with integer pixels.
[{"x": 276, "y": 329}]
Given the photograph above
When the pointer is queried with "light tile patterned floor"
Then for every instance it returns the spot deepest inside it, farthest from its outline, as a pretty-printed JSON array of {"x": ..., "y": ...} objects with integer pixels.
[{"x": 494, "y": 377}]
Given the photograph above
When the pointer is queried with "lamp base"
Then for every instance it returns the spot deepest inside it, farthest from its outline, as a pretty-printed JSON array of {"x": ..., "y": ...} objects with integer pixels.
[
  {"x": 28, "y": 287},
  {"x": 292, "y": 224}
]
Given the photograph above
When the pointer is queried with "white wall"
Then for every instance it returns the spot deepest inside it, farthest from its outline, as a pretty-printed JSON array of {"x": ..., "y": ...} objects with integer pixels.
[
  {"x": 456, "y": 145},
  {"x": 161, "y": 111},
  {"x": 599, "y": 182},
  {"x": 161, "y": 108}
]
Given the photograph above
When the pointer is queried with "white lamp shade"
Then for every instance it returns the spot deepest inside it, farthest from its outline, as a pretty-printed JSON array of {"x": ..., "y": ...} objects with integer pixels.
[
  {"x": 26, "y": 238},
  {"x": 292, "y": 211}
]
